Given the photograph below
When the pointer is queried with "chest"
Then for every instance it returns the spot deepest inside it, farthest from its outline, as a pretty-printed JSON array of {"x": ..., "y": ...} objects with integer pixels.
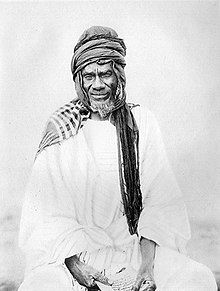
[{"x": 101, "y": 140}]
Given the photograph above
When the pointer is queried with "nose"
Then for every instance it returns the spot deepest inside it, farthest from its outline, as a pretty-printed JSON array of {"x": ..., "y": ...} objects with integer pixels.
[{"x": 98, "y": 84}]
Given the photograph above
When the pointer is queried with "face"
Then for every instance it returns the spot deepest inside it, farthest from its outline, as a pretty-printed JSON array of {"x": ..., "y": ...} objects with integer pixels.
[{"x": 100, "y": 83}]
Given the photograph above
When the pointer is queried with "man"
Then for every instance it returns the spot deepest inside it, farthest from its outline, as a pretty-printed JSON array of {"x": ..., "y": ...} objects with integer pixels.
[{"x": 102, "y": 205}]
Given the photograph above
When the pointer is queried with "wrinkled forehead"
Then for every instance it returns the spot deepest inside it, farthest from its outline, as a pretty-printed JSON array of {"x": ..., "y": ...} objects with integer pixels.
[{"x": 98, "y": 67}]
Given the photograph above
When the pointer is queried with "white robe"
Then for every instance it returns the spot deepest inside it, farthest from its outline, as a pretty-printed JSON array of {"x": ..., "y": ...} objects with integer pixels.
[{"x": 73, "y": 206}]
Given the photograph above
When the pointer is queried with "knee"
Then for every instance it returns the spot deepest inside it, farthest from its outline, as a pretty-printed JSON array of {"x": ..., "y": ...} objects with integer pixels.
[
  {"x": 203, "y": 277},
  {"x": 49, "y": 278}
]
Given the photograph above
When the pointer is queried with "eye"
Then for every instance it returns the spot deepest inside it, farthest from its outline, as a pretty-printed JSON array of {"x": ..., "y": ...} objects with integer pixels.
[
  {"x": 88, "y": 77},
  {"x": 107, "y": 74}
]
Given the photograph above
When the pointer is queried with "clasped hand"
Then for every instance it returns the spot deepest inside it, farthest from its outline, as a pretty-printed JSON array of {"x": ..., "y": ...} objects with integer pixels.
[
  {"x": 85, "y": 274},
  {"x": 144, "y": 280}
]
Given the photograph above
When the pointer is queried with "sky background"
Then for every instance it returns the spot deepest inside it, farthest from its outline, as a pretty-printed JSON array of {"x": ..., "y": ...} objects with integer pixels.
[{"x": 173, "y": 68}]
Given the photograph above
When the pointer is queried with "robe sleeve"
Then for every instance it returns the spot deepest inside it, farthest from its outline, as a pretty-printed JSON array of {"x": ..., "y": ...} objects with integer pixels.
[
  {"x": 49, "y": 229},
  {"x": 164, "y": 218}
]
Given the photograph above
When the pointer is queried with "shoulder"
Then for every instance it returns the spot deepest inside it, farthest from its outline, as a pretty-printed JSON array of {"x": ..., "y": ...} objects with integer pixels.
[
  {"x": 144, "y": 117},
  {"x": 63, "y": 123},
  {"x": 149, "y": 131}
]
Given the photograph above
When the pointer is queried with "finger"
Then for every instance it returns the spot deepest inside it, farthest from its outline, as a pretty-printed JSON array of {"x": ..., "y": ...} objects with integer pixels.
[
  {"x": 90, "y": 282},
  {"x": 102, "y": 279},
  {"x": 93, "y": 288},
  {"x": 137, "y": 284},
  {"x": 93, "y": 283},
  {"x": 148, "y": 285}
]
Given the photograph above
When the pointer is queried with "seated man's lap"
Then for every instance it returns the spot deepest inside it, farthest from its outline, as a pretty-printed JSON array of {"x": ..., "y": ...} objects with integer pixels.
[
  {"x": 48, "y": 278},
  {"x": 174, "y": 271}
]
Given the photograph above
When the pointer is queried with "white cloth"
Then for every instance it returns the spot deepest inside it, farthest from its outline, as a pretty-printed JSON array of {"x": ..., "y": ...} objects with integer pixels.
[
  {"x": 172, "y": 272},
  {"x": 73, "y": 202}
]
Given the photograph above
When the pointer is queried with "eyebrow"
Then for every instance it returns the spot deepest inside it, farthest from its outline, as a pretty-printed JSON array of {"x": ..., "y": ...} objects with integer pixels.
[
  {"x": 93, "y": 73},
  {"x": 88, "y": 73},
  {"x": 106, "y": 71}
]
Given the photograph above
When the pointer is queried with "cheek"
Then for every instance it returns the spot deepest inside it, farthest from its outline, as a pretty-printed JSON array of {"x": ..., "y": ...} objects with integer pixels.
[
  {"x": 114, "y": 82},
  {"x": 113, "y": 86},
  {"x": 87, "y": 85}
]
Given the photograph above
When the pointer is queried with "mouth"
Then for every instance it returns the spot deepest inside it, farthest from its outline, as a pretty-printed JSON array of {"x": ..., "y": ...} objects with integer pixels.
[{"x": 100, "y": 97}]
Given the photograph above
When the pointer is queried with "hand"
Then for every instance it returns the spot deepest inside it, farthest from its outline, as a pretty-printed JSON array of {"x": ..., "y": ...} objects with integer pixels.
[
  {"x": 144, "y": 280},
  {"x": 85, "y": 274}
]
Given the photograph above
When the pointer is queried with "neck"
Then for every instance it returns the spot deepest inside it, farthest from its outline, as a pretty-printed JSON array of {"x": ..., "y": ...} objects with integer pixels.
[{"x": 96, "y": 116}]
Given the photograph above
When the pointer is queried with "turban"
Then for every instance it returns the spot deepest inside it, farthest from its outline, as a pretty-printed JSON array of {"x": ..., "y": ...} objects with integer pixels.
[{"x": 99, "y": 44}]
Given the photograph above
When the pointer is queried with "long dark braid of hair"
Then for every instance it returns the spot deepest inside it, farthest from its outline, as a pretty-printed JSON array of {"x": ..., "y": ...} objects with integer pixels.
[{"x": 128, "y": 157}]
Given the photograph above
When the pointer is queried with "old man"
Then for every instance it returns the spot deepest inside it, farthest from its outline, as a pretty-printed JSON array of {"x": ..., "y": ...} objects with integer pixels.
[{"x": 102, "y": 208}]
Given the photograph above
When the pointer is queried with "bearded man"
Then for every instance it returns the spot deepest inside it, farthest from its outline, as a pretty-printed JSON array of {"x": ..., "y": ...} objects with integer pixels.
[{"x": 102, "y": 209}]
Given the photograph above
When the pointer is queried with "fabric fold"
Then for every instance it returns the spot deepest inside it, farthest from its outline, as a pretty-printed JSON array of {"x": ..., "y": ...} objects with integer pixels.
[
  {"x": 60, "y": 219},
  {"x": 164, "y": 217}
]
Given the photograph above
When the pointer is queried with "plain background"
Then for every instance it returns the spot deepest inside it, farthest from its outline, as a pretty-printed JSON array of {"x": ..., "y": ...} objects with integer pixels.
[{"x": 173, "y": 66}]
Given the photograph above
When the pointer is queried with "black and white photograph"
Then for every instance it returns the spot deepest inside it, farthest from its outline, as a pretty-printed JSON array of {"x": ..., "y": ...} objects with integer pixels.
[{"x": 109, "y": 152}]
